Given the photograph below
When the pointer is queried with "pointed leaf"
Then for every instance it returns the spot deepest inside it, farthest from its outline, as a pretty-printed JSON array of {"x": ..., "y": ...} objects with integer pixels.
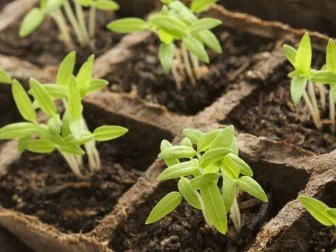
[
  {"x": 198, "y": 6},
  {"x": 169, "y": 24},
  {"x": 331, "y": 56},
  {"x": 207, "y": 139},
  {"x": 107, "y": 133},
  {"x": 188, "y": 193},
  {"x": 169, "y": 161},
  {"x": 245, "y": 169},
  {"x": 17, "y": 130},
  {"x": 204, "y": 180},
  {"x": 31, "y": 21},
  {"x": 229, "y": 191},
  {"x": 71, "y": 150},
  {"x": 204, "y": 24},
  {"x": 230, "y": 168},
  {"x": 39, "y": 146},
  {"x": 178, "y": 152},
  {"x": 212, "y": 156},
  {"x": 196, "y": 48},
  {"x": 166, "y": 55},
  {"x": 84, "y": 75},
  {"x": 65, "y": 70},
  {"x": 127, "y": 25},
  {"x": 56, "y": 91},
  {"x": 106, "y": 5},
  {"x": 304, "y": 56},
  {"x": 250, "y": 186},
  {"x": 74, "y": 101},
  {"x": 193, "y": 134},
  {"x": 179, "y": 170},
  {"x": 224, "y": 138},
  {"x": 210, "y": 40},
  {"x": 95, "y": 85},
  {"x": 298, "y": 86},
  {"x": 5, "y": 77},
  {"x": 290, "y": 54}
]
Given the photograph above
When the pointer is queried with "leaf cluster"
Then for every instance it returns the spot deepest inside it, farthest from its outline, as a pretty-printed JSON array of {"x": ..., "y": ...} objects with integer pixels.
[
  {"x": 176, "y": 22},
  {"x": 66, "y": 132},
  {"x": 199, "y": 163},
  {"x": 301, "y": 60}
]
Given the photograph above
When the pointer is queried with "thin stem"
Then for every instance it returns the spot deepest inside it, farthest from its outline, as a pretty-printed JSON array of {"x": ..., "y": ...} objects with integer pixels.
[
  {"x": 312, "y": 95},
  {"x": 74, "y": 23},
  {"x": 175, "y": 66},
  {"x": 92, "y": 152},
  {"x": 235, "y": 215},
  {"x": 187, "y": 65},
  {"x": 81, "y": 20},
  {"x": 316, "y": 118},
  {"x": 195, "y": 65},
  {"x": 92, "y": 21},
  {"x": 73, "y": 163},
  {"x": 64, "y": 32},
  {"x": 332, "y": 112},
  {"x": 322, "y": 90}
]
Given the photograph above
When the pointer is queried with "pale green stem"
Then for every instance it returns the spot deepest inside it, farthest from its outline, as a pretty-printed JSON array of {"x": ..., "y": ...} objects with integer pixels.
[
  {"x": 73, "y": 163},
  {"x": 175, "y": 66},
  {"x": 316, "y": 117},
  {"x": 312, "y": 95},
  {"x": 332, "y": 112},
  {"x": 92, "y": 21},
  {"x": 195, "y": 64},
  {"x": 81, "y": 20},
  {"x": 63, "y": 28},
  {"x": 74, "y": 23},
  {"x": 322, "y": 90},
  {"x": 187, "y": 65},
  {"x": 235, "y": 215}
]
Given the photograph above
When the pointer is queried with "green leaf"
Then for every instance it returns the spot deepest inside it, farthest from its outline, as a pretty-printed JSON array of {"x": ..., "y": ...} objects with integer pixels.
[
  {"x": 186, "y": 142},
  {"x": 107, "y": 133},
  {"x": 234, "y": 147},
  {"x": 244, "y": 168},
  {"x": 85, "y": 3},
  {"x": 298, "y": 86},
  {"x": 53, "y": 5},
  {"x": 224, "y": 138},
  {"x": 198, "y": 6},
  {"x": 250, "y": 186},
  {"x": 188, "y": 193},
  {"x": 45, "y": 133},
  {"x": 56, "y": 91},
  {"x": 169, "y": 24},
  {"x": 178, "y": 152},
  {"x": 193, "y": 134},
  {"x": 210, "y": 40},
  {"x": 212, "y": 156},
  {"x": 166, "y": 55},
  {"x": 290, "y": 54},
  {"x": 204, "y": 24},
  {"x": 304, "y": 56},
  {"x": 214, "y": 207},
  {"x": 317, "y": 209},
  {"x": 165, "y": 37},
  {"x": 43, "y": 98},
  {"x": 77, "y": 128},
  {"x": 23, "y": 102},
  {"x": 169, "y": 161},
  {"x": 55, "y": 123},
  {"x": 83, "y": 139},
  {"x": 332, "y": 213},
  {"x": 17, "y": 130},
  {"x": 196, "y": 48},
  {"x": 65, "y": 70},
  {"x": 179, "y": 170},
  {"x": 324, "y": 77},
  {"x": 164, "y": 207},
  {"x": 230, "y": 168},
  {"x": 204, "y": 180},
  {"x": 31, "y": 21},
  {"x": 331, "y": 56},
  {"x": 229, "y": 191},
  {"x": 5, "y": 78},
  {"x": 84, "y": 75},
  {"x": 107, "y": 5},
  {"x": 207, "y": 139},
  {"x": 95, "y": 85},
  {"x": 74, "y": 101},
  {"x": 39, "y": 146},
  {"x": 127, "y": 25},
  {"x": 71, "y": 150}
]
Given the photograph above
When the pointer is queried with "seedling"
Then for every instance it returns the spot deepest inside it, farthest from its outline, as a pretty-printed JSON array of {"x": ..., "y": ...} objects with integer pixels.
[
  {"x": 66, "y": 132},
  {"x": 320, "y": 211},
  {"x": 201, "y": 162},
  {"x": 183, "y": 36},
  {"x": 304, "y": 76},
  {"x": 53, "y": 8}
]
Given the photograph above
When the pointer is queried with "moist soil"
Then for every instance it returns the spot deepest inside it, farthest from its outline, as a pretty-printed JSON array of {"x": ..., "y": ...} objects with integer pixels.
[
  {"x": 324, "y": 240},
  {"x": 143, "y": 76},
  {"x": 184, "y": 229},
  {"x": 43, "y": 186},
  {"x": 44, "y": 48},
  {"x": 8, "y": 110},
  {"x": 270, "y": 112}
]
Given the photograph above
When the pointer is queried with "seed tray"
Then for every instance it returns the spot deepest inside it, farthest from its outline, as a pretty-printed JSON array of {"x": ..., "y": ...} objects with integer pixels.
[{"x": 284, "y": 169}]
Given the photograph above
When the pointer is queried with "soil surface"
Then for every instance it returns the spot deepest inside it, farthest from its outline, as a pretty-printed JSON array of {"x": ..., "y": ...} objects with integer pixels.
[
  {"x": 8, "y": 110},
  {"x": 143, "y": 76},
  {"x": 44, "y": 186},
  {"x": 270, "y": 112},
  {"x": 182, "y": 230},
  {"x": 324, "y": 240},
  {"x": 3, "y": 3}
]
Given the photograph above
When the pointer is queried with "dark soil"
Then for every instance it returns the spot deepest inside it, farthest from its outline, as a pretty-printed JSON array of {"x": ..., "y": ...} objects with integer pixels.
[
  {"x": 3, "y": 3},
  {"x": 182, "y": 230},
  {"x": 324, "y": 240},
  {"x": 270, "y": 112},
  {"x": 143, "y": 75},
  {"x": 8, "y": 110}
]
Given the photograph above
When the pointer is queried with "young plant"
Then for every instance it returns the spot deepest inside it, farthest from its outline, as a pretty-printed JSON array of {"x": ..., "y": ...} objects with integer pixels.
[
  {"x": 66, "y": 132},
  {"x": 202, "y": 162},
  {"x": 5, "y": 78},
  {"x": 320, "y": 211},
  {"x": 183, "y": 36},
  {"x": 53, "y": 8},
  {"x": 304, "y": 76}
]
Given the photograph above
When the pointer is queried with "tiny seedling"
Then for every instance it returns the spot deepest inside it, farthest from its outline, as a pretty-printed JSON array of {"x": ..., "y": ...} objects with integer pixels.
[
  {"x": 183, "y": 36},
  {"x": 304, "y": 76},
  {"x": 66, "y": 132},
  {"x": 202, "y": 162},
  {"x": 53, "y": 8},
  {"x": 320, "y": 211}
]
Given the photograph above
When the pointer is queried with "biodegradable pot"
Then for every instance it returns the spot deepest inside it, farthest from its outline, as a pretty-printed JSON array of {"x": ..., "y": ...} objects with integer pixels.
[{"x": 284, "y": 170}]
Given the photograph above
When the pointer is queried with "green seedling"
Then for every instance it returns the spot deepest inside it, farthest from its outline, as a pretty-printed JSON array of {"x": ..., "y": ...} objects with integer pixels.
[
  {"x": 183, "y": 36},
  {"x": 66, "y": 132},
  {"x": 304, "y": 77},
  {"x": 202, "y": 162},
  {"x": 320, "y": 211},
  {"x": 53, "y": 8}
]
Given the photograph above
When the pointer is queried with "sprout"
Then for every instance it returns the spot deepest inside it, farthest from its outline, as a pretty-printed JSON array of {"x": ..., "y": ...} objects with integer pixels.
[
  {"x": 65, "y": 132},
  {"x": 303, "y": 74},
  {"x": 199, "y": 162},
  {"x": 182, "y": 34},
  {"x": 53, "y": 8}
]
